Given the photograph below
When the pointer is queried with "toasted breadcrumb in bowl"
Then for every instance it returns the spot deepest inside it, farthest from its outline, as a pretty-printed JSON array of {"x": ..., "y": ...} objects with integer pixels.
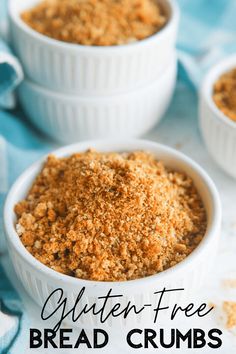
[
  {"x": 93, "y": 63},
  {"x": 133, "y": 161},
  {"x": 217, "y": 113}
]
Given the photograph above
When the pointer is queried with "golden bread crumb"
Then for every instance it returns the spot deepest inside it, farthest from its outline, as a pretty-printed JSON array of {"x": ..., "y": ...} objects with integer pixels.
[
  {"x": 96, "y": 22},
  {"x": 110, "y": 216},
  {"x": 224, "y": 94},
  {"x": 229, "y": 283},
  {"x": 229, "y": 308}
]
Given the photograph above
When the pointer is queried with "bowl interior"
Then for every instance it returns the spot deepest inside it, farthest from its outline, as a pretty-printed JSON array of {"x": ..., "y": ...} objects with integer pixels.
[
  {"x": 207, "y": 88},
  {"x": 170, "y": 157},
  {"x": 16, "y": 7},
  {"x": 20, "y": 6}
]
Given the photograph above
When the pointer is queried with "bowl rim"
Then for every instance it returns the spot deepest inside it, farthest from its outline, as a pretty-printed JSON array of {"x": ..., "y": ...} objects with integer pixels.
[
  {"x": 213, "y": 227},
  {"x": 206, "y": 88},
  {"x": 174, "y": 18}
]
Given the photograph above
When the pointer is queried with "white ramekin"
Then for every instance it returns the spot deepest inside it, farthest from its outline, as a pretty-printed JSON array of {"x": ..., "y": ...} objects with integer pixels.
[
  {"x": 39, "y": 280},
  {"x": 218, "y": 131},
  {"x": 74, "y": 118},
  {"x": 79, "y": 69}
]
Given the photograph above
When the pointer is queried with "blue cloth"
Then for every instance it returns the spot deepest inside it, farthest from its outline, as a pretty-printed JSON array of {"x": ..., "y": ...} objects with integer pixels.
[
  {"x": 207, "y": 33},
  {"x": 11, "y": 75},
  {"x": 21, "y": 146}
]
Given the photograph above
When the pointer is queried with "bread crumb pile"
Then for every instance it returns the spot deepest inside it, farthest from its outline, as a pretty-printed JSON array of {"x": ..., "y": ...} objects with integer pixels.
[
  {"x": 110, "y": 216},
  {"x": 96, "y": 22},
  {"x": 229, "y": 308},
  {"x": 224, "y": 94}
]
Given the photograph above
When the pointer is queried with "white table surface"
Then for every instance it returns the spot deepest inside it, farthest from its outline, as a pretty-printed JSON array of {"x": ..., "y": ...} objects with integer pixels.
[{"x": 179, "y": 129}]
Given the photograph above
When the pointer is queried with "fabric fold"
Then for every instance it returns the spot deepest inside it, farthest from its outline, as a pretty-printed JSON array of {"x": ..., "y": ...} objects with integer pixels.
[{"x": 11, "y": 74}]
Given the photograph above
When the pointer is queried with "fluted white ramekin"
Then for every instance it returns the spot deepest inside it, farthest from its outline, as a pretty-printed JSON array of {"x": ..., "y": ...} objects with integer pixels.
[
  {"x": 39, "y": 280},
  {"x": 74, "y": 118},
  {"x": 218, "y": 131},
  {"x": 79, "y": 69}
]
